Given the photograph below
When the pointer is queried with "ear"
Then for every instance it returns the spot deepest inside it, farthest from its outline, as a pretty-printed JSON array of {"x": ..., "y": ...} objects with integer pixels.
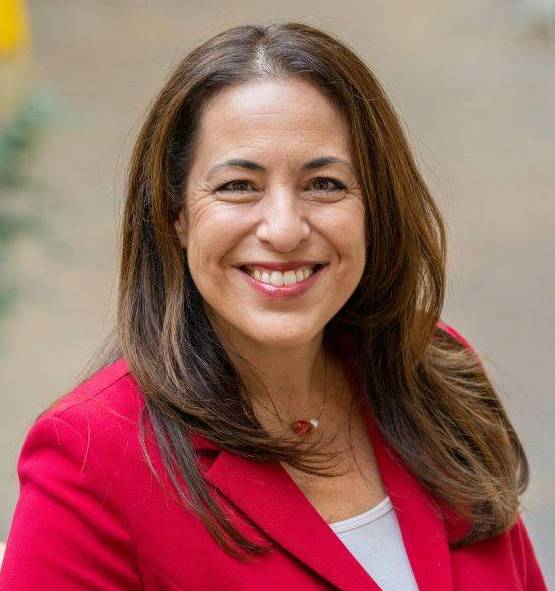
[{"x": 181, "y": 229}]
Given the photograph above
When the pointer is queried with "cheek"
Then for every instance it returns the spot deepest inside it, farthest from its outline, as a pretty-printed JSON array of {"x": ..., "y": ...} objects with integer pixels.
[
  {"x": 344, "y": 228},
  {"x": 215, "y": 229},
  {"x": 354, "y": 228}
]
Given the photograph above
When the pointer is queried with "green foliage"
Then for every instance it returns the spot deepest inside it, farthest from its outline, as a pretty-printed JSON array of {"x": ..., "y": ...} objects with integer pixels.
[{"x": 19, "y": 141}]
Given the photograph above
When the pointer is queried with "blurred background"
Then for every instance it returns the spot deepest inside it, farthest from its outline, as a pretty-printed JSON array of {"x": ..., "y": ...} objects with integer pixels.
[{"x": 474, "y": 84}]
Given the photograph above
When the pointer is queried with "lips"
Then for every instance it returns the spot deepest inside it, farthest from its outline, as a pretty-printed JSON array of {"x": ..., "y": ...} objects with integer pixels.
[
  {"x": 281, "y": 285},
  {"x": 275, "y": 266},
  {"x": 279, "y": 278}
]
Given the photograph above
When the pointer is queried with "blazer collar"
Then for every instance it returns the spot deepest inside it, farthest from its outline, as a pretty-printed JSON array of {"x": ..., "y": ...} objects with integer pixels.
[{"x": 270, "y": 498}]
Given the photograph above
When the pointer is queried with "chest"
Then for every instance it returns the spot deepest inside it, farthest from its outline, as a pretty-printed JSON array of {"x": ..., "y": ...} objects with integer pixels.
[
  {"x": 357, "y": 485},
  {"x": 174, "y": 550}
]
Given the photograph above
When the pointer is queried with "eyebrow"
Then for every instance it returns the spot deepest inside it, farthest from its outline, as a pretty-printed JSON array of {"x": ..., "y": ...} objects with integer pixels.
[{"x": 250, "y": 165}]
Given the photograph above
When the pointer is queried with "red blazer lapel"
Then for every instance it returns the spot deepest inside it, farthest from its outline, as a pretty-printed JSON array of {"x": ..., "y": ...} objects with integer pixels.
[
  {"x": 271, "y": 499},
  {"x": 420, "y": 519}
]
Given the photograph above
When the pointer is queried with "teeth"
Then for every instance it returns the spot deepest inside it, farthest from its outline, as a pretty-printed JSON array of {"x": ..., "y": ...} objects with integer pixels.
[
  {"x": 278, "y": 279},
  {"x": 289, "y": 277}
]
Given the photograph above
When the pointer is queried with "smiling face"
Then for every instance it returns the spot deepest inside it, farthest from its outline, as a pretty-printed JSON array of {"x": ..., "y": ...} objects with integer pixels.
[{"x": 273, "y": 221}]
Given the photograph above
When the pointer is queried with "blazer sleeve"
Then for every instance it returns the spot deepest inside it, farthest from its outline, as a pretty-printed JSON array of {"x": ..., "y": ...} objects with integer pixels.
[
  {"x": 527, "y": 563},
  {"x": 68, "y": 532},
  {"x": 523, "y": 551}
]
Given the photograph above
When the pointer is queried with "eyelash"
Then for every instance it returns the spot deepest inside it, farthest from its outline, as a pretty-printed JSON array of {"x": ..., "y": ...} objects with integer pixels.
[{"x": 339, "y": 186}]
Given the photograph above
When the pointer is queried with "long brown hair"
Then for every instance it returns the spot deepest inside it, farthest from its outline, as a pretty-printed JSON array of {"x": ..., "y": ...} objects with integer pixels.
[{"x": 429, "y": 394}]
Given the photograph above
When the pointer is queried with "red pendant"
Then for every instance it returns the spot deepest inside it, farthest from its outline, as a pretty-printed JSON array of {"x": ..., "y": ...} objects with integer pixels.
[{"x": 305, "y": 427}]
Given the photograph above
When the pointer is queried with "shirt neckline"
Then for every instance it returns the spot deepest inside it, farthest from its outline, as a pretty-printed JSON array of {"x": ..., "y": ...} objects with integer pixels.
[{"x": 362, "y": 518}]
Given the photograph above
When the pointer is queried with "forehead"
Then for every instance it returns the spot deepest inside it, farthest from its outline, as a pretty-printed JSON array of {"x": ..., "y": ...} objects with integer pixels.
[{"x": 280, "y": 116}]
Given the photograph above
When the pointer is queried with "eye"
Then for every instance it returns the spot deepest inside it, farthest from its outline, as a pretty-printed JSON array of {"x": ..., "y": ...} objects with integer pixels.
[
  {"x": 237, "y": 186},
  {"x": 327, "y": 185}
]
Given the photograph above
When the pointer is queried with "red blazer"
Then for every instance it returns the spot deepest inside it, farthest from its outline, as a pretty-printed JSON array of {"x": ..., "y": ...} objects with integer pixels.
[{"x": 91, "y": 516}]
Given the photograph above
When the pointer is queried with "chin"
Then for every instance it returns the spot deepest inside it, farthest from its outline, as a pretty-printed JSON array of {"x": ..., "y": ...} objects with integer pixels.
[
  {"x": 282, "y": 343},
  {"x": 266, "y": 330},
  {"x": 280, "y": 339}
]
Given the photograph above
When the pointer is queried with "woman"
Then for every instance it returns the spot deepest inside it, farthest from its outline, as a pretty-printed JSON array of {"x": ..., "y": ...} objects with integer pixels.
[{"x": 282, "y": 408}]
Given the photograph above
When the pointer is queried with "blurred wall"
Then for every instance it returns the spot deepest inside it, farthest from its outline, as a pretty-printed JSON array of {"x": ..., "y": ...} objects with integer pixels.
[{"x": 475, "y": 89}]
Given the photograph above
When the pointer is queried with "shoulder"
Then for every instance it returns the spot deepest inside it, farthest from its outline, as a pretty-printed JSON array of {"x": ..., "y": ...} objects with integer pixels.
[
  {"x": 525, "y": 557},
  {"x": 111, "y": 388},
  {"x": 454, "y": 333},
  {"x": 461, "y": 343},
  {"x": 79, "y": 470},
  {"x": 97, "y": 422},
  {"x": 109, "y": 403}
]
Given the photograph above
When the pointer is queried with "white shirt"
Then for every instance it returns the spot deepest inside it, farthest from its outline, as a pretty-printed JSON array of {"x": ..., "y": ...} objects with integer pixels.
[{"x": 374, "y": 539}]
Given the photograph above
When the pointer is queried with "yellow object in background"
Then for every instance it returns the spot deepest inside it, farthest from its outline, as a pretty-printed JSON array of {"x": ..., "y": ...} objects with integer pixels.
[
  {"x": 14, "y": 29},
  {"x": 15, "y": 58}
]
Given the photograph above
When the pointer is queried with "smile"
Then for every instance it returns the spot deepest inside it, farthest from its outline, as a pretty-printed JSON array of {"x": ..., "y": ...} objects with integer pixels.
[
  {"x": 281, "y": 278},
  {"x": 281, "y": 284}
]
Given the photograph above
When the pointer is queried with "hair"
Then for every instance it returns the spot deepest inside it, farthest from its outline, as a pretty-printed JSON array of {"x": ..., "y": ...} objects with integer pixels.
[{"x": 429, "y": 394}]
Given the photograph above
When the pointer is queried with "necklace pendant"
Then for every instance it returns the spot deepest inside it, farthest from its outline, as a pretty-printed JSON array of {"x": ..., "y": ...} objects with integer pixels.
[
  {"x": 314, "y": 422},
  {"x": 305, "y": 427}
]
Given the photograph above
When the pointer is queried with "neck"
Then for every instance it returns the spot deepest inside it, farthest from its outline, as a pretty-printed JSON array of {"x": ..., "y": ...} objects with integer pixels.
[{"x": 284, "y": 383}]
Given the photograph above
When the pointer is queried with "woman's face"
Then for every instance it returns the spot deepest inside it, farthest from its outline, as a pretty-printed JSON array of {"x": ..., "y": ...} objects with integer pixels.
[{"x": 273, "y": 221}]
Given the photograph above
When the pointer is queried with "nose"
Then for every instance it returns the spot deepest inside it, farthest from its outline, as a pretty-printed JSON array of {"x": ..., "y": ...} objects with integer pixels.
[{"x": 283, "y": 224}]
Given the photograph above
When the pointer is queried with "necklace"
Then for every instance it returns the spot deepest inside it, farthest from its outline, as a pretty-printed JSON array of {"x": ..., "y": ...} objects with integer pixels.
[{"x": 307, "y": 425}]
